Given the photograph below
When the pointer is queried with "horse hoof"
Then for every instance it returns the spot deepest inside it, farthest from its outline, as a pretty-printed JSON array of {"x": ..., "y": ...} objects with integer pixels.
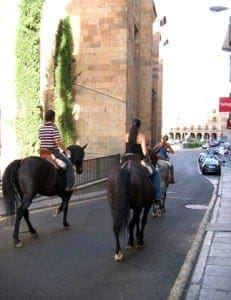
[
  {"x": 66, "y": 226},
  {"x": 129, "y": 247},
  {"x": 154, "y": 215},
  {"x": 34, "y": 235},
  {"x": 18, "y": 245},
  {"x": 56, "y": 212},
  {"x": 139, "y": 246},
  {"x": 118, "y": 257},
  {"x": 159, "y": 213}
]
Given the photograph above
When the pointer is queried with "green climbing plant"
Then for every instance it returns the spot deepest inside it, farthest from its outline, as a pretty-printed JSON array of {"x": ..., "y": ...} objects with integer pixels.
[
  {"x": 64, "y": 81},
  {"x": 27, "y": 76}
]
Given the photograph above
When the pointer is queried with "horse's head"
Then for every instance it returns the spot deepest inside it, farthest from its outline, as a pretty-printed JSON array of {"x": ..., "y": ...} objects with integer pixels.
[{"x": 77, "y": 156}]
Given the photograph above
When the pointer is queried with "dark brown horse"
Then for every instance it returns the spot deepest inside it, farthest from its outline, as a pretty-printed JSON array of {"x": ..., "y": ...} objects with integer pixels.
[
  {"x": 129, "y": 188},
  {"x": 24, "y": 178}
]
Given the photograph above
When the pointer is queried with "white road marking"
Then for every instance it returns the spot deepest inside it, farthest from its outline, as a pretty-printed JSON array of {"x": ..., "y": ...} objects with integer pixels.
[{"x": 196, "y": 206}]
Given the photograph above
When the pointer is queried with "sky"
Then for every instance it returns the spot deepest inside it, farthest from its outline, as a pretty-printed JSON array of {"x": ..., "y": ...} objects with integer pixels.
[{"x": 196, "y": 70}]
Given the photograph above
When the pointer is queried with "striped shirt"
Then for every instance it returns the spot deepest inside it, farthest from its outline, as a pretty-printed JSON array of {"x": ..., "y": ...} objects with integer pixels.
[{"x": 48, "y": 134}]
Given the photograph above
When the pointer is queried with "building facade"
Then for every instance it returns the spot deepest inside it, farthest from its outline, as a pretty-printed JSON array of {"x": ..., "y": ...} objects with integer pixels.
[
  {"x": 116, "y": 52},
  {"x": 214, "y": 129}
]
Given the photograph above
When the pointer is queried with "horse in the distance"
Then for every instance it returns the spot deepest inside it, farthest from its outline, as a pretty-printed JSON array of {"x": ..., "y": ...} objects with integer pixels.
[
  {"x": 129, "y": 188},
  {"x": 24, "y": 178},
  {"x": 165, "y": 178}
]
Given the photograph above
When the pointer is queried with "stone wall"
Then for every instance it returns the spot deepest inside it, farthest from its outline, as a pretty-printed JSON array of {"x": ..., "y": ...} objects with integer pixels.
[
  {"x": 157, "y": 76},
  {"x": 146, "y": 65},
  {"x": 112, "y": 48},
  {"x": 133, "y": 61},
  {"x": 100, "y": 51}
]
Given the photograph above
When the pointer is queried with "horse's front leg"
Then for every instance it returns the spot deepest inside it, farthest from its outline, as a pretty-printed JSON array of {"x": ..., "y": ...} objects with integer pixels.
[
  {"x": 27, "y": 219},
  {"x": 65, "y": 210},
  {"x": 58, "y": 210}
]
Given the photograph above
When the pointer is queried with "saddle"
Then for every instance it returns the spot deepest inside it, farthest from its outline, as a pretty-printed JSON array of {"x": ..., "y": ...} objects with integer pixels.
[
  {"x": 57, "y": 163},
  {"x": 144, "y": 163}
]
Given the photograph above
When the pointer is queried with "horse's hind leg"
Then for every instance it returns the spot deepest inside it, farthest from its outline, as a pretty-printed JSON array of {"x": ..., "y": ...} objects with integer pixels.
[
  {"x": 163, "y": 205},
  {"x": 26, "y": 201},
  {"x": 27, "y": 219},
  {"x": 138, "y": 228},
  {"x": 140, "y": 242},
  {"x": 134, "y": 221},
  {"x": 118, "y": 253}
]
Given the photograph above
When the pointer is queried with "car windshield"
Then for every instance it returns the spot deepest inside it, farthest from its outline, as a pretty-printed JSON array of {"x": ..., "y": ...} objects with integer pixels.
[{"x": 210, "y": 160}]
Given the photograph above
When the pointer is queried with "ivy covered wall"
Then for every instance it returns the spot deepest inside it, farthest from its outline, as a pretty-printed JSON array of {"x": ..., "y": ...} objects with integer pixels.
[{"x": 28, "y": 117}]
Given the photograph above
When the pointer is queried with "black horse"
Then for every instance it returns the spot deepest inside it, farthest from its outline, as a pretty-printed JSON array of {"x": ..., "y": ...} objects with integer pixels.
[
  {"x": 129, "y": 187},
  {"x": 24, "y": 178}
]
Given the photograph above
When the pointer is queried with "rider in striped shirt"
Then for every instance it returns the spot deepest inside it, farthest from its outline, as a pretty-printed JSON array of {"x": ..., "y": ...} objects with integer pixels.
[{"x": 50, "y": 139}]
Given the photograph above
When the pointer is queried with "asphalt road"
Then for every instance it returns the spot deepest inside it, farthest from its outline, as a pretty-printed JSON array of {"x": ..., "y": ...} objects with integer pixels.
[{"x": 78, "y": 263}]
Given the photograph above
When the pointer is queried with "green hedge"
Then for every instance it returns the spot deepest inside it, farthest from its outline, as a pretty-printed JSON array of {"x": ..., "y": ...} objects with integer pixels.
[
  {"x": 196, "y": 144},
  {"x": 27, "y": 78}
]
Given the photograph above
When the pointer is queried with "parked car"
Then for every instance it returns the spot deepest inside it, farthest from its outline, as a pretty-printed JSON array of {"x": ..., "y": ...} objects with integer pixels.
[
  {"x": 216, "y": 152},
  {"x": 205, "y": 146},
  {"x": 204, "y": 155},
  {"x": 210, "y": 165}
]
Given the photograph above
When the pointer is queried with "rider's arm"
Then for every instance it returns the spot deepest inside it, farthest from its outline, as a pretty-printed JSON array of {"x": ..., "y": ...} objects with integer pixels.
[
  {"x": 157, "y": 147},
  {"x": 143, "y": 143},
  {"x": 61, "y": 145},
  {"x": 169, "y": 148}
]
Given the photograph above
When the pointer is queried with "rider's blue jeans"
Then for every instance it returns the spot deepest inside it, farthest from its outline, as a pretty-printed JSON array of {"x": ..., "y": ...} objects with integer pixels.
[
  {"x": 157, "y": 184},
  {"x": 70, "y": 176}
]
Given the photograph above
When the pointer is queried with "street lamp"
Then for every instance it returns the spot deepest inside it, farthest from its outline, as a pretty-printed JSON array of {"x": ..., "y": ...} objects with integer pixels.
[
  {"x": 227, "y": 43},
  {"x": 161, "y": 22},
  {"x": 218, "y": 8}
]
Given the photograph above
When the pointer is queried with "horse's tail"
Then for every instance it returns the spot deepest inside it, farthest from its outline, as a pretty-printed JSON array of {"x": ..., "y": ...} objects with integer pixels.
[
  {"x": 122, "y": 213},
  {"x": 10, "y": 187}
]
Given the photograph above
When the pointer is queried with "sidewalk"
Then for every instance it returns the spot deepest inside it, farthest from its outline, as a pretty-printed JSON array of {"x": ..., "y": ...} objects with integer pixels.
[{"x": 211, "y": 278}]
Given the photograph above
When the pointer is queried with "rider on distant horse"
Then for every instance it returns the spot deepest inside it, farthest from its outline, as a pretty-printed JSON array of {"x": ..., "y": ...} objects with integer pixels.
[
  {"x": 162, "y": 149},
  {"x": 136, "y": 144},
  {"x": 50, "y": 139}
]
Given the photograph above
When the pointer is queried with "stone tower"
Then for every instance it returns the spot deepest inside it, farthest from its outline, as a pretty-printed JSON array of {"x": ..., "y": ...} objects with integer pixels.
[{"x": 113, "y": 49}]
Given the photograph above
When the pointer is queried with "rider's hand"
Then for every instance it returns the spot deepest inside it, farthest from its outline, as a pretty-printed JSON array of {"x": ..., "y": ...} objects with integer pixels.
[{"x": 68, "y": 153}]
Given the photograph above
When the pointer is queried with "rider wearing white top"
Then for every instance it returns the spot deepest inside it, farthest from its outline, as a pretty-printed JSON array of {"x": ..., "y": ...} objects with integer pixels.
[{"x": 162, "y": 149}]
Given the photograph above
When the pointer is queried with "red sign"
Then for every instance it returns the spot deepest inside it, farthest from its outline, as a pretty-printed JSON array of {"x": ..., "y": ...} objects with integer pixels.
[
  {"x": 229, "y": 123},
  {"x": 225, "y": 104}
]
